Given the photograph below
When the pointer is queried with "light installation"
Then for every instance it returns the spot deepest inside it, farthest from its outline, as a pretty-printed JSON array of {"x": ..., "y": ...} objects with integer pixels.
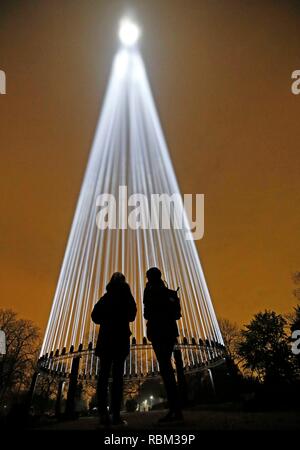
[{"x": 129, "y": 149}]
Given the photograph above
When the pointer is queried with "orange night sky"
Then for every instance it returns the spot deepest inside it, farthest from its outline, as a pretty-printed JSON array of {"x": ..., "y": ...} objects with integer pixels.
[{"x": 221, "y": 76}]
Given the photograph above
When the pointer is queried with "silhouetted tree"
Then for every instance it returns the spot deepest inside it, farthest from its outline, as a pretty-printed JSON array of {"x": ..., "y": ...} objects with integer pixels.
[
  {"x": 295, "y": 325},
  {"x": 22, "y": 346},
  {"x": 45, "y": 393},
  {"x": 231, "y": 336},
  {"x": 296, "y": 280},
  {"x": 265, "y": 348}
]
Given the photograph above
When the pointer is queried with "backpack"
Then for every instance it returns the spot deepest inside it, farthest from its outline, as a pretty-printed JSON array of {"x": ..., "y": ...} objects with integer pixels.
[
  {"x": 162, "y": 325},
  {"x": 174, "y": 302}
]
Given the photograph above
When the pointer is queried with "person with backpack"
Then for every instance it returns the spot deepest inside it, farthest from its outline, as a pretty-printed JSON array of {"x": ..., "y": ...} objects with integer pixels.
[
  {"x": 113, "y": 312},
  {"x": 162, "y": 310}
]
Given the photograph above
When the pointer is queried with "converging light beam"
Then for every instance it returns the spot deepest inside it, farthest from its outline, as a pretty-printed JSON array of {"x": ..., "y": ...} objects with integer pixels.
[{"x": 129, "y": 149}]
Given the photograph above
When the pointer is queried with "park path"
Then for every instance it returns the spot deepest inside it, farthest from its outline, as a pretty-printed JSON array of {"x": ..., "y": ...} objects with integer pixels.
[{"x": 194, "y": 420}]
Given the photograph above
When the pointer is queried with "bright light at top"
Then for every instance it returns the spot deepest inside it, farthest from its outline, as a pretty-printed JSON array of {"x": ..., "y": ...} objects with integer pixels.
[{"x": 129, "y": 33}]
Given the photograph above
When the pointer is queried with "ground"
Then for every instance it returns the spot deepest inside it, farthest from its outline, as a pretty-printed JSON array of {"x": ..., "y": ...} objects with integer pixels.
[{"x": 206, "y": 418}]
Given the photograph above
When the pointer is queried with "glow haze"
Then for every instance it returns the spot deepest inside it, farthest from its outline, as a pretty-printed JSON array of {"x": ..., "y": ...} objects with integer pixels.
[{"x": 222, "y": 88}]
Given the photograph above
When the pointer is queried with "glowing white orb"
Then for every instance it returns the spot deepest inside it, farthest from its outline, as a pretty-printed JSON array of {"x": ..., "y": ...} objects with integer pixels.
[{"x": 128, "y": 33}]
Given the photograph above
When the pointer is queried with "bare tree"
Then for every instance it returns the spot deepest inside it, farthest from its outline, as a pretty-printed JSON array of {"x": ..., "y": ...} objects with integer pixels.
[
  {"x": 22, "y": 345},
  {"x": 131, "y": 389},
  {"x": 231, "y": 335},
  {"x": 296, "y": 280}
]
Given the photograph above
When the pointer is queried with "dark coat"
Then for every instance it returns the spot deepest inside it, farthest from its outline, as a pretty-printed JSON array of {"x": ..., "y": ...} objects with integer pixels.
[
  {"x": 161, "y": 310},
  {"x": 113, "y": 312}
]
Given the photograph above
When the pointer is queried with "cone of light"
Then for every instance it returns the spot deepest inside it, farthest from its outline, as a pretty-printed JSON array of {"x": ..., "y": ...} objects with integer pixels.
[{"x": 129, "y": 149}]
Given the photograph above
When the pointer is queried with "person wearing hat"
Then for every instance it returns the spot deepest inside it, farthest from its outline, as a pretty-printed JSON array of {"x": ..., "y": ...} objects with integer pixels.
[{"x": 113, "y": 312}]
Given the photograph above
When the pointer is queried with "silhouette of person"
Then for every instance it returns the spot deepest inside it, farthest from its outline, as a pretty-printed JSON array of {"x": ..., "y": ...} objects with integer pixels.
[
  {"x": 161, "y": 312},
  {"x": 113, "y": 312}
]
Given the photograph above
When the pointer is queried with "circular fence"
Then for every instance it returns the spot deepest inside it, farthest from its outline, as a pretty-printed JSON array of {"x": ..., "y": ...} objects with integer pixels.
[{"x": 140, "y": 363}]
